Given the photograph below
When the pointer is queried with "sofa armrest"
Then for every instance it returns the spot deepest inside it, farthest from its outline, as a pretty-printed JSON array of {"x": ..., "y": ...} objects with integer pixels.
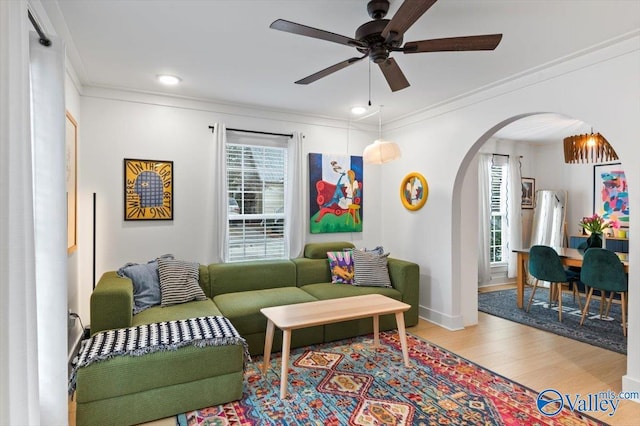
[
  {"x": 111, "y": 303},
  {"x": 405, "y": 277}
]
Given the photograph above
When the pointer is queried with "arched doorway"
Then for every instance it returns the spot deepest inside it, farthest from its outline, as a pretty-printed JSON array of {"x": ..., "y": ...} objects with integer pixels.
[{"x": 552, "y": 173}]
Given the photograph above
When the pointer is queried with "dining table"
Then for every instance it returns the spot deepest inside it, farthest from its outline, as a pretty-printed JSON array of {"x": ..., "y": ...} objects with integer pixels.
[{"x": 568, "y": 257}]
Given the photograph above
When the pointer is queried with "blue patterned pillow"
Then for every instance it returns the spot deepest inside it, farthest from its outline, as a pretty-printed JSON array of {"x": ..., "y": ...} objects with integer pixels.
[
  {"x": 146, "y": 283},
  {"x": 379, "y": 250},
  {"x": 341, "y": 265}
]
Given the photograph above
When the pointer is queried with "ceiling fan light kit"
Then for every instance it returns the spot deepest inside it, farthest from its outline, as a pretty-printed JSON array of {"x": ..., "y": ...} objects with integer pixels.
[
  {"x": 588, "y": 148},
  {"x": 376, "y": 39}
]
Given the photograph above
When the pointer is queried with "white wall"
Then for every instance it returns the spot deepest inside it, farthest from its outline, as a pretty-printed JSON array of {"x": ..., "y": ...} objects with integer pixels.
[
  {"x": 601, "y": 88},
  {"x": 117, "y": 125},
  {"x": 72, "y": 104}
]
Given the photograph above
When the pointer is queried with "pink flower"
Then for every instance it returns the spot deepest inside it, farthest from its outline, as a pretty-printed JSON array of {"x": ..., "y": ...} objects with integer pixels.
[{"x": 596, "y": 224}]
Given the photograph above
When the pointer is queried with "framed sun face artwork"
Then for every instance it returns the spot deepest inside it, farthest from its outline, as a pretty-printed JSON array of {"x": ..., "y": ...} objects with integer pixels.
[
  {"x": 148, "y": 190},
  {"x": 414, "y": 191}
]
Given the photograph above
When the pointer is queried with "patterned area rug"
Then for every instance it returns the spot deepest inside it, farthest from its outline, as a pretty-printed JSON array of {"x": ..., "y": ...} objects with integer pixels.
[
  {"x": 351, "y": 383},
  {"x": 605, "y": 333}
]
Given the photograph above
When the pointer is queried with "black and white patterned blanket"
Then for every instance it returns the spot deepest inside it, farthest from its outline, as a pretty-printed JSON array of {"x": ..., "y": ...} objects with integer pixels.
[{"x": 155, "y": 337}]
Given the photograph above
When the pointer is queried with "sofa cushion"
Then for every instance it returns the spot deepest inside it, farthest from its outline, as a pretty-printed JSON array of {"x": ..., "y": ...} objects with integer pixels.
[
  {"x": 319, "y": 250},
  {"x": 192, "y": 309},
  {"x": 254, "y": 275},
  {"x": 370, "y": 269},
  {"x": 125, "y": 375},
  {"x": 341, "y": 265},
  {"x": 179, "y": 282},
  {"x": 146, "y": 282},
  {"x": 324, "y": 291},
  {"x": 243, "y": 308},
  {"x": 311, "y": 271}
]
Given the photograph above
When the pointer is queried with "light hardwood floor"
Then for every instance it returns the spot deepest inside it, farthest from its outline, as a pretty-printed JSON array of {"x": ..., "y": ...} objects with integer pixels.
[{"x": 531, "y": 357}]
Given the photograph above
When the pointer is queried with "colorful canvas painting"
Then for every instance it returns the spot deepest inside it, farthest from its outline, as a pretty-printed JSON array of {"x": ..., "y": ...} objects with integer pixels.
[
  {"x": 610, "y": 195},
  {"x": 335, "y": 193}
]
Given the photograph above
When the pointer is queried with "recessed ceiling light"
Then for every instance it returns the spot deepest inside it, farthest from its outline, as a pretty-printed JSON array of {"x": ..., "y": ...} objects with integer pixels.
[
  {"x": 358, "y": 110},
  {"x": 168, "y": 79}
]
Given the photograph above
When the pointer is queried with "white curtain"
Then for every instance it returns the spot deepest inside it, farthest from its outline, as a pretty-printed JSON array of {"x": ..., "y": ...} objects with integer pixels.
[
  {"x": 484, "y": 217},
  {"x": 294, "y": 232},
  {"x": 19, "y": 394},
  {"x": 514, "y": 214},
  {"x": 220, "y": 193},
  {"x": 294, "y": 225},
  {"x": 33, "y": 290}
]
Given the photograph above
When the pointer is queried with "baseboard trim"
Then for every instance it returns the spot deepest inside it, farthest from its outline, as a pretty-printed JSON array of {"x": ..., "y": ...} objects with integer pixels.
[
  {"x": 631, "y": 384},
  {"x": 453, "y": 323}
]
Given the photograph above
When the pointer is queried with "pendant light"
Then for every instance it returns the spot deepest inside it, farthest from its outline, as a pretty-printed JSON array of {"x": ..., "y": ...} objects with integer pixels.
[
  {"x": 381, "y": 151},
  {"x": 588, "y": 148}
]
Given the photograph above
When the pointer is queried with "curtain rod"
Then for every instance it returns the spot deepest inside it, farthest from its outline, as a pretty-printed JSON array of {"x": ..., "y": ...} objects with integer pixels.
[
  {"x": 290, "y": 135},
  {"x": 44, "y": 40},
  {"x": 504, "y": 155}
]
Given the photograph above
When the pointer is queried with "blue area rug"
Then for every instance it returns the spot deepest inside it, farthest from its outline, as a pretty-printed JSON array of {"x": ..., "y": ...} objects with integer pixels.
[{"x": 606, "y": 334}]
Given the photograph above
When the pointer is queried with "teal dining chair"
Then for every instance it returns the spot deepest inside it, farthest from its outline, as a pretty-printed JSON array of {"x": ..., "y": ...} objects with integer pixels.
[
  {"x": 545, "y": 265},
  {"x": 602, "y": 270}
]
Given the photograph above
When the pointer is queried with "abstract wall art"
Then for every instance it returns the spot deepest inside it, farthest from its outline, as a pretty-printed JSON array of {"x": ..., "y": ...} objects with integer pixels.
[
  {"x": 335, "y": 193},
  {"x": 414, "y": 191},
  {"x": 610, "y": 194}
]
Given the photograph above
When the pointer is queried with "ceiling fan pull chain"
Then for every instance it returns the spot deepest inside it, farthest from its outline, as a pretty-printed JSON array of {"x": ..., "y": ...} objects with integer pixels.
[{"x": 369, "y": 83}]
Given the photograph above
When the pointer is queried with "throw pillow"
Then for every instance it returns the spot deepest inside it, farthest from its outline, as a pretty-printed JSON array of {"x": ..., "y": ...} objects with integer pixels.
[
  {"x": 341, "y": 265},
  {"x": 146, "y": 283},
  {"x": 370, "y": 269},
  {"x": 179, "y": 282}
]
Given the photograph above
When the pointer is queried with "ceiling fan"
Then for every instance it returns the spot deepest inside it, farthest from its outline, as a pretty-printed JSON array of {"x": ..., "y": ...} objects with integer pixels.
[{"x": 378, "y": 38}]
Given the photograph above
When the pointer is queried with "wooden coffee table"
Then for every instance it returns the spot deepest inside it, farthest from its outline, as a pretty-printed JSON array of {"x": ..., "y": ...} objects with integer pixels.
[{"x": 302, "y": 315}]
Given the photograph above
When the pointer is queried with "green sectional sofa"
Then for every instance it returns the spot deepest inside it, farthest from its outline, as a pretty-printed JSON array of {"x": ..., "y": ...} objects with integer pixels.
[{"x": 135, "y": 389}]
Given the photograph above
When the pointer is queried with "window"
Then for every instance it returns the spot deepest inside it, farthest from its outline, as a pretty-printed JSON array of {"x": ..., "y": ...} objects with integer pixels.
[
  {"x": 498, "y": 237},
  {"x": 256, "y": 177}
]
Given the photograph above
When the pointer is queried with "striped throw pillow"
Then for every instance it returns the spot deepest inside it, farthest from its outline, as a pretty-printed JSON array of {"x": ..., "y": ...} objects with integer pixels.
[
  {"x": 370, "y": 269},
  {"x": 178, "y": 282}
]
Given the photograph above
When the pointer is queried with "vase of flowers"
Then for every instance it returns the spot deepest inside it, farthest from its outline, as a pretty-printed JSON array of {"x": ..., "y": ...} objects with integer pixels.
[{"x": 596, "y": 225}]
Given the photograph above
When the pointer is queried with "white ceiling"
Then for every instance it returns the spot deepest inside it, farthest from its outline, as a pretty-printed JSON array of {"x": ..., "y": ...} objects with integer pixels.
[{"x": 225, "y": 51}]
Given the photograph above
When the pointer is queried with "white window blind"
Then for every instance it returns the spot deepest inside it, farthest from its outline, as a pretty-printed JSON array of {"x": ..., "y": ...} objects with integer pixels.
[{"x": 256, "y": 178}]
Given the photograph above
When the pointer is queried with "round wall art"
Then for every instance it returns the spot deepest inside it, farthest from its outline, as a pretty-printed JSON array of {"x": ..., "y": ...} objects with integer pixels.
[{"x": 414, "y": 191}]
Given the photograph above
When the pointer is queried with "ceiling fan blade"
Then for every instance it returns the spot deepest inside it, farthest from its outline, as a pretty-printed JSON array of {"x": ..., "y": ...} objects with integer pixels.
[
  {"x": 292, "y": 27},
  {"x": 329, "y": 70},
  {"x": 393, "y": 74},
  {"x": 408, "y": 13},
  {"x": 479, "y": 42}
]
